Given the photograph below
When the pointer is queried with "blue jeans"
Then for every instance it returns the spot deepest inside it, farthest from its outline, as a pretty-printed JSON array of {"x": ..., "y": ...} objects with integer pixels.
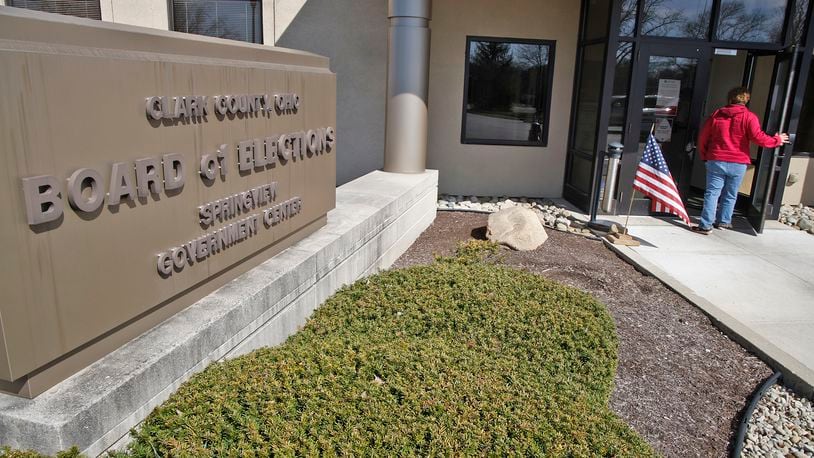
[{"x": 723, "y": 180}]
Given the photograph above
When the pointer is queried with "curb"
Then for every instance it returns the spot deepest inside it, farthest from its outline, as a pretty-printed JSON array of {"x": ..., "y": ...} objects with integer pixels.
[{"x": 795, "y": 375}]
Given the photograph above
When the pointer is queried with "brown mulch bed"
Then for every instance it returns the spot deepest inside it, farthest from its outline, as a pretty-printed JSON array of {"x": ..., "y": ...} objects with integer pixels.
[{"x": 681, "y": 383}]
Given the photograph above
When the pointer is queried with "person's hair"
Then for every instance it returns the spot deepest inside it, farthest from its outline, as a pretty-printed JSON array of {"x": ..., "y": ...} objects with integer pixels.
[{"x": 738, "y": 95}]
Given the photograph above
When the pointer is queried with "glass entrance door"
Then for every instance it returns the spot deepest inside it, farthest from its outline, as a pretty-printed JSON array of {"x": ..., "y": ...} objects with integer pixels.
[
  {"x": 665, "y": 99},
  {"x": 773, "y": 163}
]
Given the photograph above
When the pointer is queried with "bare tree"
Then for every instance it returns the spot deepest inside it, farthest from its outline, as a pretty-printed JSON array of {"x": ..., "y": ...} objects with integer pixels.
[
  {"x": 532, "y": 56},
  {"x": 798, "y": 20},
  {"x": 657, "y": 19},
  {"x": 624, "y": 52},
  {"x": 737, "y": 24},
  {"x": 628, "y": 19}
]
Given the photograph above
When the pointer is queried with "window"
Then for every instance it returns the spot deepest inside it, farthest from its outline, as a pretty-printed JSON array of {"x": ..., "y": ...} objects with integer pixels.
[
  {"x": 596, "y": 19},
  {"x": 507, "y": 91},
  {"x": 88, "y": 9},
  {"x": 588, "y": 98},
  {"x": 619, "y": 97},
  {"x": 805, "y": 137},
  {"x": 798, "y": 19},
  {"x": 751, "y": 21},
  {"x": 232, "y": 19},
  {"x": 586, "y": 120},
  {"x": 676, "y": 18},
  {"x": 627, "y": 23}
]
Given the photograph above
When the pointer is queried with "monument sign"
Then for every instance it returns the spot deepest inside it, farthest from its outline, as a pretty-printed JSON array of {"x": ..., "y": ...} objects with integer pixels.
[{"x": 141, "y": 172}]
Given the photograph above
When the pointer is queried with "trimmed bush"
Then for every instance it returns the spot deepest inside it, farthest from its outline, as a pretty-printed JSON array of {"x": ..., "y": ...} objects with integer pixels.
[
  {"x": 462, "y": 357},
  {"x": 6, "y": 452}
]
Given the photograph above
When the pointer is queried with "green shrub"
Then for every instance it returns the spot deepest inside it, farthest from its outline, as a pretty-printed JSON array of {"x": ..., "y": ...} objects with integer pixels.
[
  {"x": 456, "y": 358},
  {"x": 473, "y": 251},
  {"x": 6, "y": 452}
]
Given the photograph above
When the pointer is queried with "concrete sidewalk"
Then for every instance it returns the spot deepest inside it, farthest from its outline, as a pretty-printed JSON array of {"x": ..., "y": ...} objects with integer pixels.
[{"x": 758, "y": 288}]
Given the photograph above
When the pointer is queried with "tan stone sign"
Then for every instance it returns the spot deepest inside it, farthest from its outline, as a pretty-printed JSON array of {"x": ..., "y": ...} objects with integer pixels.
[{"x": 142, "y": 170}]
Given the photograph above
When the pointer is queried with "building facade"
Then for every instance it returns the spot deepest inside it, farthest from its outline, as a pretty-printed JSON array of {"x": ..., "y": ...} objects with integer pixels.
[{"x": 524, "y": 96}]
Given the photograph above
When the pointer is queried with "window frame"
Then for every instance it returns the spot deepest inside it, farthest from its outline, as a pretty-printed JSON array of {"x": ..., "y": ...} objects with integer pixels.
[
  {"x": 548, "y": 85},
  {"x": 711, "y": 37},
  {"x": 9, "y": 3},
  {"x": 171, "y": 24}
]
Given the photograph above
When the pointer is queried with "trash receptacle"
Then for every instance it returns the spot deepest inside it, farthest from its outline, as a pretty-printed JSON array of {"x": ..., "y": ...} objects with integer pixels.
[{"x": 614, "y": 154}]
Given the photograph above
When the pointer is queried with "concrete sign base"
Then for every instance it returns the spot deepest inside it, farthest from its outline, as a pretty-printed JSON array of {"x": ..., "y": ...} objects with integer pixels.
[{"x": 377, "y": 217}]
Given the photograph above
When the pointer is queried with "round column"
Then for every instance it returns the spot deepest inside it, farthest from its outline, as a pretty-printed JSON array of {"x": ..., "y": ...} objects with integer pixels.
[{"x": 408, "y": 62}]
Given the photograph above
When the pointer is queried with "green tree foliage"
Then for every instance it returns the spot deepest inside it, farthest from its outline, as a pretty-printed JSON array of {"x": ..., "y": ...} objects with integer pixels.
[{"x": 491, "y": 68}]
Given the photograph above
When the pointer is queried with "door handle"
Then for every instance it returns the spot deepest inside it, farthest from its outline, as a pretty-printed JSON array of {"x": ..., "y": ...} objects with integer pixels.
[{"x": 690, "y": 147}]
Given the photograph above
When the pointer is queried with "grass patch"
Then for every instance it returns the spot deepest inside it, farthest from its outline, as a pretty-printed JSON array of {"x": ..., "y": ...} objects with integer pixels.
[{"x": 459, "y": 357}]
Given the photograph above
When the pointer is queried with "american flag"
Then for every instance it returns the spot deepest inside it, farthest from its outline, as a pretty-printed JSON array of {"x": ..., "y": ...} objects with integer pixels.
[{"x": 653, "y": 179}]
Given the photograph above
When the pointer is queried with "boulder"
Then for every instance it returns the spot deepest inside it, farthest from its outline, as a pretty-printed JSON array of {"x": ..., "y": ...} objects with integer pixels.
[{"x": 517, "y": 227}]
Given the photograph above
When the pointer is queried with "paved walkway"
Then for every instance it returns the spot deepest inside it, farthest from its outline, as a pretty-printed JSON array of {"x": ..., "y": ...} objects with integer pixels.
[{"x": 758, "y": 287}]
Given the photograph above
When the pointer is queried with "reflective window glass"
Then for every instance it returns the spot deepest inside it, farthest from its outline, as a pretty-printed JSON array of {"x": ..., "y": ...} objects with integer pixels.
[
  {"x": 751, "y": 20},
  {"x": 668, "y": 97},
  {"x": 805, "y": 135},
  {"x": 798, "y": 20},
  {"x": 676, "y": 18},
  {"x": 581, "y": 173},
  {"x": 619, "y": 98},
  {"x": 596, "y": 21},
  {"x": 232, "y": 19},
  {"x": 508, "y": 89},
  {"x": 627, "y": 23},
  {"x": 88, "y": 9},
  {"x": 587, "y": 111},
  {"x": 667, "y": 107}
]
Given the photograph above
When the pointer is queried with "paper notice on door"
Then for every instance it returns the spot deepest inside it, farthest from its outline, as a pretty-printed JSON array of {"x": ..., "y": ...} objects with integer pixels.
[
  {"x": 668, "y": 93},
  {"x": 663, "y": 131}
]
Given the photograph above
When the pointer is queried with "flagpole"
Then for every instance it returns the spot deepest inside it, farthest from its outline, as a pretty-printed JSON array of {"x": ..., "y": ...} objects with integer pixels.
[{"x": 629, "y": 208}]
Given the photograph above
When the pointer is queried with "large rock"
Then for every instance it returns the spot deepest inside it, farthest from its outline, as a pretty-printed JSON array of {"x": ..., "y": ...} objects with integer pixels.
[{"x": 516, "y": 227}]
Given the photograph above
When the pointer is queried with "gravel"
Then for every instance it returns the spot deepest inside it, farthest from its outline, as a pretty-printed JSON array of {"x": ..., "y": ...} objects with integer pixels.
[
  {"x": 798, "y": 216},
  {"x": 549, "y": 214},
  {"x": 782, "y": 425},
  {"x": 680, "y": 382}
]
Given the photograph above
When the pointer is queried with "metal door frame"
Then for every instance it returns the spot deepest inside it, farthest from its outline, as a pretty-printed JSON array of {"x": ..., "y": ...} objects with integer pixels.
[
  {"x": 782, "y": 115},
  {"x": 641, "y": 61}
]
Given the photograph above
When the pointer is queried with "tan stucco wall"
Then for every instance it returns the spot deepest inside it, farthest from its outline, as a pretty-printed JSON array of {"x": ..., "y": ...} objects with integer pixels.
[
  {"x": 802, "y": 191},
  {"x": 353, "y": 34},
  {"x": 145, "y": 13},
  {"x": 285, "y": 12},
  {"x": 489, "y": 169}
]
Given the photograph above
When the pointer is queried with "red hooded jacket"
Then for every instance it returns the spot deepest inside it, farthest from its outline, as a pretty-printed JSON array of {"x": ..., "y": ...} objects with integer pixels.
[{"x": 727, "y": 132}]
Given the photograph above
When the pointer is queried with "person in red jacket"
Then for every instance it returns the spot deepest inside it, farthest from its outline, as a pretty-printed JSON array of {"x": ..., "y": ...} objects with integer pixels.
[{"x": 724, "y": 146}]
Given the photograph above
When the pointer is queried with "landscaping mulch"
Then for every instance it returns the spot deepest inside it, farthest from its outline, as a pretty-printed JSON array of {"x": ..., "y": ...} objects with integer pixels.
[{"x": 680, "y": 383}]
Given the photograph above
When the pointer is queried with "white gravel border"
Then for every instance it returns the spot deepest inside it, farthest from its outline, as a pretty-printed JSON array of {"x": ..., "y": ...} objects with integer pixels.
[
  {"x": 782, "y": 425},
  {"x": 798, "y": 216},
  {"x": 550, "y": 214}
]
